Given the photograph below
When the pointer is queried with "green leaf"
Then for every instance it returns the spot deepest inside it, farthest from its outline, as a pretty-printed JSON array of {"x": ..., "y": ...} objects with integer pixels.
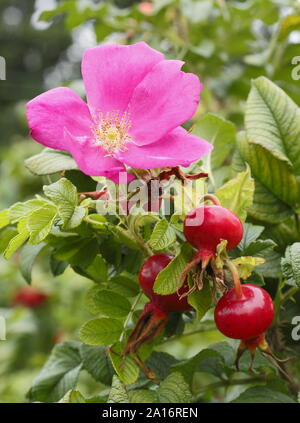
[
  {"x": 237, "y": 194},
  {"x": 101, "y": 331},
  {"x": 271, "y": 268},
  {"x": 167, "y": 281},
  {"x": 118, "y": 393},
  {"x": 201, "y": 300},
  {"x": 97, "y": 270},
  {"x": 77, "y": 217},
  {"x": 174, "y": 389},
  {"x": 261, "y": 394},
  {"x": 162, "y": 236},
  {"x": 161, "y": 363},
  {"x": 50, "y": 161},
  {"x": 59, "y": 374},
  {"x": 6, "y": 235},
  {"x": 17, "y": 241},
  {"x": 111, "y": 304},
  {"x": 124, "y": 285},
  {"x": 245, "y": 265},
  {"x": 125, "y": 367},
  {"x": 251, "y": 233},
  {"x": 4, "y": 218},
  {"x": 261, "y": 248},
  {"x": 219, "y": 132},
  {"x": 28, "y": 256},
  {"x": 124, "y": 236},
  {"x": 73, "y": 397},
  {"x": 20, "y": 210},
  {"x": 141, "y": 396},
  {"x": 40, "y": 222},
  {"x": 96, "y": 362},
  {"x": 206, "y": 360},
  {"x": 64, "y": 194},
  {"x": 272, "y": 121},
  {"x": 290, "y": 264}
]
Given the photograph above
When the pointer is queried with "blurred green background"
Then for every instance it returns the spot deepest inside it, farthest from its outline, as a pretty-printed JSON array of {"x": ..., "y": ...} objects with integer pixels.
[{"x": 226, "y": 43}]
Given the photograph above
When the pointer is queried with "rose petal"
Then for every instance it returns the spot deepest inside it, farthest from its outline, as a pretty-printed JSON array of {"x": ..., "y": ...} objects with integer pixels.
[
  {"x": 165, "y": 99},
  {"x": 52, "y": 113},
  {"x": 111, "y": 73},
  {"x": 176, "y": 148}
]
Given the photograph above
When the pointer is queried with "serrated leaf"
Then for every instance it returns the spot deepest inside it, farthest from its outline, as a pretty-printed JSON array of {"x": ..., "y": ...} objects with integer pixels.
[
  {"x": 161, "y": 363},
  {"x": 261, "y": 394},
  {"x": 102, "y": 331},
  {"x": 20, "y": 210},
  {"x": 275, "y": 185},
  {"x": 125, "y": 367},
  {"x": 96, "y": 362},
  {"x": 141, "y": 396},
  {"x": 260, "y": 248},
  {"x": 28, "y": 256},
  {"x": 272, "y": 121},
  {"x": 174, "y": 389},
  {"x": 40, "y": 222},
  {"x": 17, "y": 241},
  {"x": 245, "y": 265},
  {"x": 64, "y": 195},
  {"x": 290, "y": 264},
  {"x": 50, "y": 161},
  {"x": 237, "y": 194},
  {"x": 167, "y": 281},
  {"x": 250, "y": 234},
  {"x": 124, "y": 285},
  {"x": 6, "y": 235},
  {"x": 59, "y": 374},
  {"x": 162, "y": 236},
  {"x": 111, "y": 304},
  {"x": 4, "y": 218},
  {"x": 118, "y": 393}
]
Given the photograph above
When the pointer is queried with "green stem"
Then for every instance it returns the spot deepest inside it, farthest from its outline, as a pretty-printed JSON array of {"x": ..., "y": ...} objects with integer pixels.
[
  {"x": 236, "y": 278},
  {"x": 227, "y": 383},
  {"x": 132, "y": 310},
  {"x": 206, "y": 328}
]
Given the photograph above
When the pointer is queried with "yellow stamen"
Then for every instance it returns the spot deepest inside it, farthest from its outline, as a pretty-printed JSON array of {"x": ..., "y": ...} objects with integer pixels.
[{"x": 111, "y": 131}]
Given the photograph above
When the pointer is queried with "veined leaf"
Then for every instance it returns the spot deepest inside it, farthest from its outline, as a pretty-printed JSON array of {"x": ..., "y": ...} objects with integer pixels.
[
  {"x": 59, "y": 374},
  {"x": 167, "y": 281},
  {"x": 102, "y": 331},
  {"x": 64, "y": 195},
  {"x": 272, "y": 121},
  {"x": 40, "y": 222},
  {"x": 111, "y": 304},
  {"x": 174, "y": 389},
  {"x": 162, "y": 236},
  {"x": 20, "y": 210},
  {"x": 290, "y": 264},
  {"x": 50, "y": 161},
  {"x": 118, "y": 393},
  {"x": 125, "y": 367},
  {"x": 18, "y": 240},
  {"x": 237, "y": 194}
]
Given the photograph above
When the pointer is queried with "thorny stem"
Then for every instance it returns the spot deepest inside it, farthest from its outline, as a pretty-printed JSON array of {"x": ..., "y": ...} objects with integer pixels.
[{"x": 236, "y": 278}]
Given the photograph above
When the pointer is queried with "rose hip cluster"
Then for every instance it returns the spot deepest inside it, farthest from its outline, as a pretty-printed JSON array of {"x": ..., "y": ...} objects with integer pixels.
[{"x": 243, "y": 312}]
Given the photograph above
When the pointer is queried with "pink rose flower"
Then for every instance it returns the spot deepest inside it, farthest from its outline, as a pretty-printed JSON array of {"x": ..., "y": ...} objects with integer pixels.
[{"x": 136, "y": 102}]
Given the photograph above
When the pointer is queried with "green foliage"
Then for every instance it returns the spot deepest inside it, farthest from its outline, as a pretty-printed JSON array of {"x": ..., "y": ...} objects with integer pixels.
[
  {"x": 290, "y": 264},
  {"x": 102, "y": 331}
]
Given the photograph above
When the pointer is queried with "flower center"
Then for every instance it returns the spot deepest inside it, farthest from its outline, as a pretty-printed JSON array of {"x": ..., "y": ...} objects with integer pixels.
[{"x": 111, "y": 131}]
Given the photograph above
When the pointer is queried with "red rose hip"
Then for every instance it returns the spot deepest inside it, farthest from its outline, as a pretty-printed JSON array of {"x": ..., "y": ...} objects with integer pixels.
[{"x": 246, "y": 316}]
